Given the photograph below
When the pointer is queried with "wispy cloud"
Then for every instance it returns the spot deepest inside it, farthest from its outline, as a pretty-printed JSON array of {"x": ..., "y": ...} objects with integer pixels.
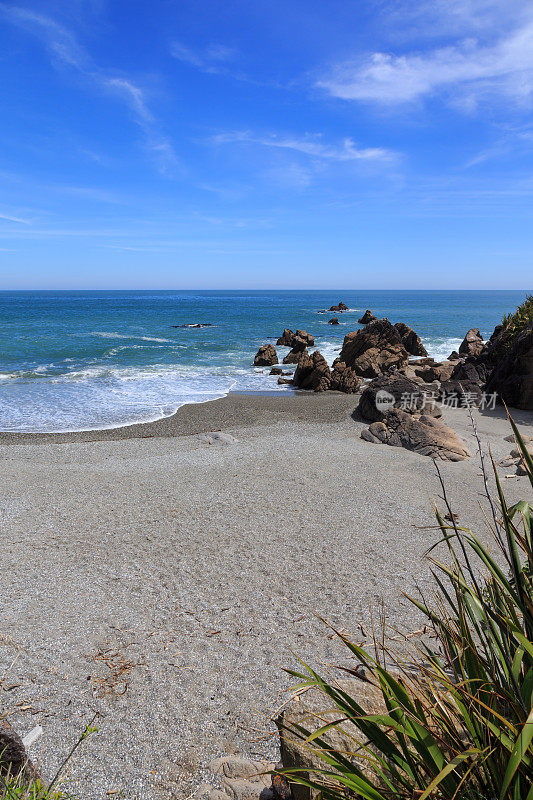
[
  {"x": 10, "y": 218},
  {"x": 467, "y": 72},
  {"x": 312, "y": 146},
  {"x": 212, "y": 59},
  {"x": 66, "y": 50}
]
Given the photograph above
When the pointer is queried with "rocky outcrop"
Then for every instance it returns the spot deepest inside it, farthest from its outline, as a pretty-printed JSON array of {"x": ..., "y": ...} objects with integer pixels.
[
  {"x": 373, "y": 350},
  {"x": 312, "y": 372},
  {"x": 424, "y": 435},
  {"x": 454, "y": 356},
  {"x": 461, "y": 393},
  {"x": 512, "y": 376},
  {"x": 472, "y": 344},
  {"x": 472, "y": 369},
  {"x": 266, "y": 356},
  {"x": 411, "y": 340},
  {"x": 312, "y": 710},
  {"x": 344, "y": 378},
  {"x": 367, "y": 317},
  {"x": 244, "y": 778},
  {"x": 340, "y": 307},
  {"x": 296, "y": 340},
  {"x": 436, "y": 371},
  {"x": 397, "y": 391},
  {"x": 333, "y": 321},
  {"x": 293, "y": 356}
]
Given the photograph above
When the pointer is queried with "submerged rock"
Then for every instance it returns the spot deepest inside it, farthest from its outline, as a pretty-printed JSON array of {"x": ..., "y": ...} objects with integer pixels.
[{"x": 333, "y": 321}]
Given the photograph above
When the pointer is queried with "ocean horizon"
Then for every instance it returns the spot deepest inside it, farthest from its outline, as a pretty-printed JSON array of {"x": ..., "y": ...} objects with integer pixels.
[{"x": 73, "y": 360}]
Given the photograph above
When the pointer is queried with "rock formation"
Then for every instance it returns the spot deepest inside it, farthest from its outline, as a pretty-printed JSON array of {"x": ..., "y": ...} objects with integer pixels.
[
  {"x": 472, "y": 344},
  {"x": 344, "y": 378},
  {"x": 297, "y": 340},
  {"x": 340, "y": 307},
  {"x": 333, "y": 321},
  {"x": 294, "y": 355},
  {"x": 367, "y": 317},
  {"x": 411, "y": 340},
  {"x": 424, "y": 435},
  {"x": 512, "y": 375},
  {"x": 266, "y": 356},
  {"x": 312, "y": 372},
  {"x": 374, "y": 350},
  {"x": 397, "y": 391}
]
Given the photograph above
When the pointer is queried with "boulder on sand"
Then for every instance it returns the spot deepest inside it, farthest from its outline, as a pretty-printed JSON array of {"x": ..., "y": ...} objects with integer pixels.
[
  {"x": 374, "y": 350},
  {"x": 397, "y": 391},
  {"x": 424, "y": 435},
  {"x": 472, "y": 344},
  {"x": 266, "y": 356},
  {"x": 14, "y": 759},
  {"x": 312, "y": 372},
  {"x": 344, "y": 378},
  {"x": 411, "y": 340},
  {"x": 367, "y": 317}
]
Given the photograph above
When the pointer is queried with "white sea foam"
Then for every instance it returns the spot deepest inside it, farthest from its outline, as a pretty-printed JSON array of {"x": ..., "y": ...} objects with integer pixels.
[
  {"x": 113, "y": 335},
  {"x": 440, "y": 348}
]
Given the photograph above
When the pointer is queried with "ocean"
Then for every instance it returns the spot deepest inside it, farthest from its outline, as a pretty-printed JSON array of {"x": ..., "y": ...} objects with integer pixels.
[{"x": 81, "y": 360}]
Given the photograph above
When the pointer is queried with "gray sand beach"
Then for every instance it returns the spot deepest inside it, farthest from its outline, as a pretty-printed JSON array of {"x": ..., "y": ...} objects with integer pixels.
[{"x": 164, "y": 582}]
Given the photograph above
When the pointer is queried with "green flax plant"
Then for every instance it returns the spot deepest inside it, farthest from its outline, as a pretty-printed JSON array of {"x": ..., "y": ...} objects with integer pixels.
[{"x": 457, "y": 722}]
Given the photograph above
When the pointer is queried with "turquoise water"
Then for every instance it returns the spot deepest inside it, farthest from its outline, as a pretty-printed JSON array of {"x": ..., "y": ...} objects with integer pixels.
[{"x": 80, "y": 360}]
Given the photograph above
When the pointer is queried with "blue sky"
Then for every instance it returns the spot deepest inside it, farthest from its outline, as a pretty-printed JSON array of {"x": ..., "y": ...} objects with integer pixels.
[{"x": 247, "y": 144}]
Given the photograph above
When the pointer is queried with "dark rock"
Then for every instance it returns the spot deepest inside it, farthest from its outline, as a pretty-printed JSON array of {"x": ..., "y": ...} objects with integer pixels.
[
  {"x": 195, "y": 325},
  {"x": 297, "y": 340},
  {"x": 367, "y": 317},
  {"x": 411, "y": 340},
  {"x": 281, "y": 787},
  {"x": 312, "y": 372},
  {"x": 472, "y": 344},
  {"x": 283, "y": 381},
  {"x": 461, "y": 393},
  {"x": 454, "y": 356},
  {"x": 345, "y": 379},
  {"x": 276, "y": 371},
  {"x": 13, "y": 756},
  {"x": 333, "y": 321},
  {"x": 472, "y": 369},
  {"x": 293, "y": 356},
  {"x": 266, "y": 356},
  {"x": 438, "y": 371},
  {"x": 340, "y": 307},
  {"x": 374, "y": 350},
  {"x": 512, "y": 375},
  {"x": 424, "y": 435},
  {"x": 397, "y": 391}
]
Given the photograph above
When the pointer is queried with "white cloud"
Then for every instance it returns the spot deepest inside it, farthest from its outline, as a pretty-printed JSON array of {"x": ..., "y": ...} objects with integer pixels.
[
  {"x": 210, "y": 59},
  {"x": 466, "y": 71},
  {"x": 347, "y": 150},
  {"x": 9, "y": 218},
  {"x": 63, "y": 47}
]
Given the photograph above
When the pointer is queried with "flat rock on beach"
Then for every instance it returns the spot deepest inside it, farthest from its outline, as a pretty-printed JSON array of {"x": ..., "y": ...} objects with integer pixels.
[{"x": 160, "y": 575}]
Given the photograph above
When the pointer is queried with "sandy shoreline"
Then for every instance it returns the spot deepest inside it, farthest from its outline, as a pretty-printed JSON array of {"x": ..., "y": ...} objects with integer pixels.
[
  {"x": 234, "y": 410},
  {"x": 203, "y": 567}
]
